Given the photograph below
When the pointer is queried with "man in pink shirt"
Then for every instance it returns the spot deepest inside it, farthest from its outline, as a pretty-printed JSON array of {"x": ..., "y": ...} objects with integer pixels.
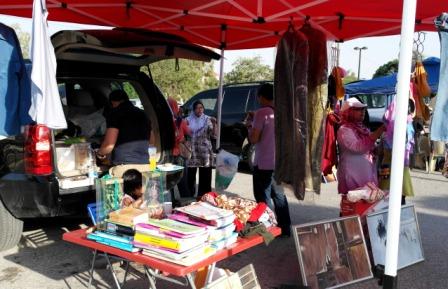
[{"x": 262, "y": 135}]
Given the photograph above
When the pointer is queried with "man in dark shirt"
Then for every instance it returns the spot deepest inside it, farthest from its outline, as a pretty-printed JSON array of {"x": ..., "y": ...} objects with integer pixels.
[{"x": 128, "y": 132}]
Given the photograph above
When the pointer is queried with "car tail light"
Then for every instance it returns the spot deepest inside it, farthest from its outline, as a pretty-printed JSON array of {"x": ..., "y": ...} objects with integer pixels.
[{"x": 38, "y": 159}]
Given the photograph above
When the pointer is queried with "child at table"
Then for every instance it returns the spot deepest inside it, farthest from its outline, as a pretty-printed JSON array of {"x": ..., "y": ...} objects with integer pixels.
[{"x": 133, "y": 189}]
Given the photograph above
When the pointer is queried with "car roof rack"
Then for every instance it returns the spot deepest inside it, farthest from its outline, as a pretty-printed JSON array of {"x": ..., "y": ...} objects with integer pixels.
[{"x": 248, "y": 83}]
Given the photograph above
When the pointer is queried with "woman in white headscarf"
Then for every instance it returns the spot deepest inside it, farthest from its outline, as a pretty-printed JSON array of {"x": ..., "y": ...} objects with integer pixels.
[{"x": 202, "y": 129}]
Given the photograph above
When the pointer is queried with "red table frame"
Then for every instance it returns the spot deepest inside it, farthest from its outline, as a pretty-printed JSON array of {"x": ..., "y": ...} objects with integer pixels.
[{"x": 153, "y": 265}]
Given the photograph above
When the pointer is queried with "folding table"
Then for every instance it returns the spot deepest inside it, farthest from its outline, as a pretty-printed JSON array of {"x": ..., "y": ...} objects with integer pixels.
[{"x": 154, "y": 267}]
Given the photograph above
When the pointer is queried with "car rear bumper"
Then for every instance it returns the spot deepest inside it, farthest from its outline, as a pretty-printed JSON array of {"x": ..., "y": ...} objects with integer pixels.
[{"x": 34, "y": 197}]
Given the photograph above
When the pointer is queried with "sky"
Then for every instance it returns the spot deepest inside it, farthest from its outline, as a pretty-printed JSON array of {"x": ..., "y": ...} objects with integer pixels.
[{"x": 379, "y": 50}]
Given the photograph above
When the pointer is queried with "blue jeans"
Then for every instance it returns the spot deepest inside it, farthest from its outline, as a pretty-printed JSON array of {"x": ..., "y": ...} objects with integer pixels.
[
  {"x": 266, "y": 191},
  {"x": 439, "y": 123}
]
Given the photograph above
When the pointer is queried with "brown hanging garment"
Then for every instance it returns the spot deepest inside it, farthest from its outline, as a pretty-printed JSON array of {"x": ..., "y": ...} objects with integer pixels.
[{"x": 422, "y": 89}]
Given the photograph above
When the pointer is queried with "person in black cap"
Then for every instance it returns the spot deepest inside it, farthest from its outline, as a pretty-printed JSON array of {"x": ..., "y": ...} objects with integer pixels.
[{"x": 128, "y": 132}]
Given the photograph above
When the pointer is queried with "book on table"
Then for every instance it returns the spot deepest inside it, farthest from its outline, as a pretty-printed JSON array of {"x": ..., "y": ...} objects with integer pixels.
[
  {"x": 113, "y": 241},
  {"x": 204, "y": 213},
  {"x": 119, "y": 228},
  {"x": 163, "y": 240},
  {"x": 128, "y": 216},
  {"x": 172, "y": 254},
  {"x": 187, "y": 261},
  {"x": 174, "y": 226}
]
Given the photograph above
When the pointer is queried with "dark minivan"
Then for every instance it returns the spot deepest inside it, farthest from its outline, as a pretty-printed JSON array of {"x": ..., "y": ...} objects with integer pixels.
[{"x": 37, "y": 177}]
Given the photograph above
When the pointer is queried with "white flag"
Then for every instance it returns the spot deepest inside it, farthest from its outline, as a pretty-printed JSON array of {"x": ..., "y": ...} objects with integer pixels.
[{"x": 46, "y": 107}]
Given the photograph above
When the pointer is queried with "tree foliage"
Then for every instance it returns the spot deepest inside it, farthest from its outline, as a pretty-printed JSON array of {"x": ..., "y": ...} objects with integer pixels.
[
  {"x": 184, "y": 80},
  {"x": 389, "y": 68},
  {"x": 249, "y": 69},
  {"x": 24, "y": 39}
]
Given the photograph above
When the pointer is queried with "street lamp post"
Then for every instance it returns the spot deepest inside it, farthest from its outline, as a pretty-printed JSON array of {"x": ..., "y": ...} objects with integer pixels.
[{"x": 359, "y": 59}]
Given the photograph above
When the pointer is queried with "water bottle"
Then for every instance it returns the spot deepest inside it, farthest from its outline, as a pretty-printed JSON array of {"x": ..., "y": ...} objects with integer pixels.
[
  {"x": 93, "y": 173},
  {"x": 152, "y": 158}
]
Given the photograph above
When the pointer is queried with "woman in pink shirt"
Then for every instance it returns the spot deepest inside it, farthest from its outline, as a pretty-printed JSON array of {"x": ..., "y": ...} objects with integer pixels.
[{"x": 356, "y": 143}]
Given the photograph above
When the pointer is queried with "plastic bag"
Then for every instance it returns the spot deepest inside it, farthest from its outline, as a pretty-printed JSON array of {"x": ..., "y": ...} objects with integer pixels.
[
  {"x": 370, "y": 193},
  {"x": 226, "y": 168}
]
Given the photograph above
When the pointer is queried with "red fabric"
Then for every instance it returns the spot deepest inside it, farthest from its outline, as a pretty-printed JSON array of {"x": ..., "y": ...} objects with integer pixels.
[
  {"x": 257, "y": 212},
  {"x": 180, "y": 131},
  {"x": 358, "y": 208},
  {"x": 329, "y": 157},
  {"x": 200, "y": 21}
]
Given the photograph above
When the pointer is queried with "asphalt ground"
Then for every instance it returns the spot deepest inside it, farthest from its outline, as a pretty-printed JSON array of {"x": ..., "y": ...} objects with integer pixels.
[{"x": 43, "y": 260}]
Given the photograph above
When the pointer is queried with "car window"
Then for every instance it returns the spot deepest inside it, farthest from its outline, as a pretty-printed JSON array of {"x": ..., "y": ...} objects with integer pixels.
[
  {"x": 373, "y": 100},
  {"x": 235, "y": 100},
  {"x": 208, "y": 98}
]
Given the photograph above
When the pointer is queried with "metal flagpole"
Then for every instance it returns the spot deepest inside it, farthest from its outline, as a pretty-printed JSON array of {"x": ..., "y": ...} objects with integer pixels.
[
  {"x": 398, "y": 148},
  {"x": 221, "y": 82}
]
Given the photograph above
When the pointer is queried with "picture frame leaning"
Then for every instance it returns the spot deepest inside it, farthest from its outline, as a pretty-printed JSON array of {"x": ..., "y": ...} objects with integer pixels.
[
  {"x": 410, "y": 249},
  {"x": 332, "y": 253}
]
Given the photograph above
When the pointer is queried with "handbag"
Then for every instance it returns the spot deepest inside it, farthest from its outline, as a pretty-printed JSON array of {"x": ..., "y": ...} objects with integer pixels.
[{"x": 185, "y": 149}]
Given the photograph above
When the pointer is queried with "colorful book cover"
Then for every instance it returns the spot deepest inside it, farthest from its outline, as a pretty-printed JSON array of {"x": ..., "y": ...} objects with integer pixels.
[
  {"x": 170, "y": 253},
  {"x": 177, "y": 244},
  {"x": 129, "y": 215},
  {"x": 156, "y": 231},
  {"x": 184, "y": 218},
  {"x": 113, "y": 243},
  {"x": 205, "y": 211},
  {"x": 119, "y": 229},
  {"x": 221, "y": 233},
  {"x": 175, "y": 226},
  {"x": 114, "y": 236},
  {"x": 188, "y": 261}
]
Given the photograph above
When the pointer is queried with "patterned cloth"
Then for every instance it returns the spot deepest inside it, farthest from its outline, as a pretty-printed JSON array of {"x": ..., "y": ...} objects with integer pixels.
[{"x": 201, "y": 146}]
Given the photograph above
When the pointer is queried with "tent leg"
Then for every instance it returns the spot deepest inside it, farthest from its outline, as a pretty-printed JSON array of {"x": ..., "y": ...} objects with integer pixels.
[
  {"x": 220, "y": 94},
  {"x": 398, "y": 149},
  {"x": 390, "y": 282}
]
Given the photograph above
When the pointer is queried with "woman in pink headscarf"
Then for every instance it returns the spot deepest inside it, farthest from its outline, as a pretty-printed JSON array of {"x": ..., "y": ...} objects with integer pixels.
[
  {"x": 181, "y": 131},
  {"x": 356, "y": 143}
]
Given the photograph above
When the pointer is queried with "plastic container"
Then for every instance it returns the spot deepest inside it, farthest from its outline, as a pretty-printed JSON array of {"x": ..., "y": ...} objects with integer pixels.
[{"x": 83, "y": 157}]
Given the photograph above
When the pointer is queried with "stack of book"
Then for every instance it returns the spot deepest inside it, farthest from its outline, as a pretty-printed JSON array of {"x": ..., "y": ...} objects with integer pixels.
[
  {"x": 118, "y": 231},
  {"x": 219, "y": 222},
  {"x": 128, "y": 216},
  {"x": 173, "y": 241},
  {"x": 123, "y": 242}
]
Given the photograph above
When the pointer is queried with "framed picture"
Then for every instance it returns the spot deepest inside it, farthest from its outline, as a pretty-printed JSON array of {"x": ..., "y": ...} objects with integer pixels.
[
  {"x": 332, "y": 253},
  {"x": 410, "y": 250}
]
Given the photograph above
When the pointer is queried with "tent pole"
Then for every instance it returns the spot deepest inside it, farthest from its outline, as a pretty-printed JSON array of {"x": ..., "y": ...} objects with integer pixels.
[
  {"x": 220, "y": 94},
  {"x": 221, "y": 82},
  {"x": 398, "y": 149}
]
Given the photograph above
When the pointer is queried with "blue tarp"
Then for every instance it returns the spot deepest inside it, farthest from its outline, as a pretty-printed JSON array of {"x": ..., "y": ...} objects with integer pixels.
[{"x": 386, "y": 84}]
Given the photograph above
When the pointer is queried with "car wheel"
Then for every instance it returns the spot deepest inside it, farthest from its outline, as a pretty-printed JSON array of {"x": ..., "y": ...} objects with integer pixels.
[{"x": 11, "y": 229}]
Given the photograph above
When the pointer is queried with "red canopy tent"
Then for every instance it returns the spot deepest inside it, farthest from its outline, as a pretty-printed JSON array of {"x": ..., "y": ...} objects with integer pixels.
[
  {"x": 239, "y": 24},
  {"x": 248, "y": 24}
]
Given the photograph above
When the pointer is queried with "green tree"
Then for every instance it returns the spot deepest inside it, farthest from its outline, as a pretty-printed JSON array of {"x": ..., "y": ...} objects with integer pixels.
[
  {"x": 389, "y": 68},
  {"x": 184, "y": 80},
  {"x": 24, "y": 39},
  {"x": 249, "y": 69},
  {"x": 350, "y": 77}
]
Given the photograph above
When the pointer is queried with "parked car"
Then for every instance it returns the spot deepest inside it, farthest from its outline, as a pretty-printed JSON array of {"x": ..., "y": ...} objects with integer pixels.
[
  {"x": 35, "y": 179},
  {"x": 238, "y": 100},
  {"x": 376, "y": 107}
]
